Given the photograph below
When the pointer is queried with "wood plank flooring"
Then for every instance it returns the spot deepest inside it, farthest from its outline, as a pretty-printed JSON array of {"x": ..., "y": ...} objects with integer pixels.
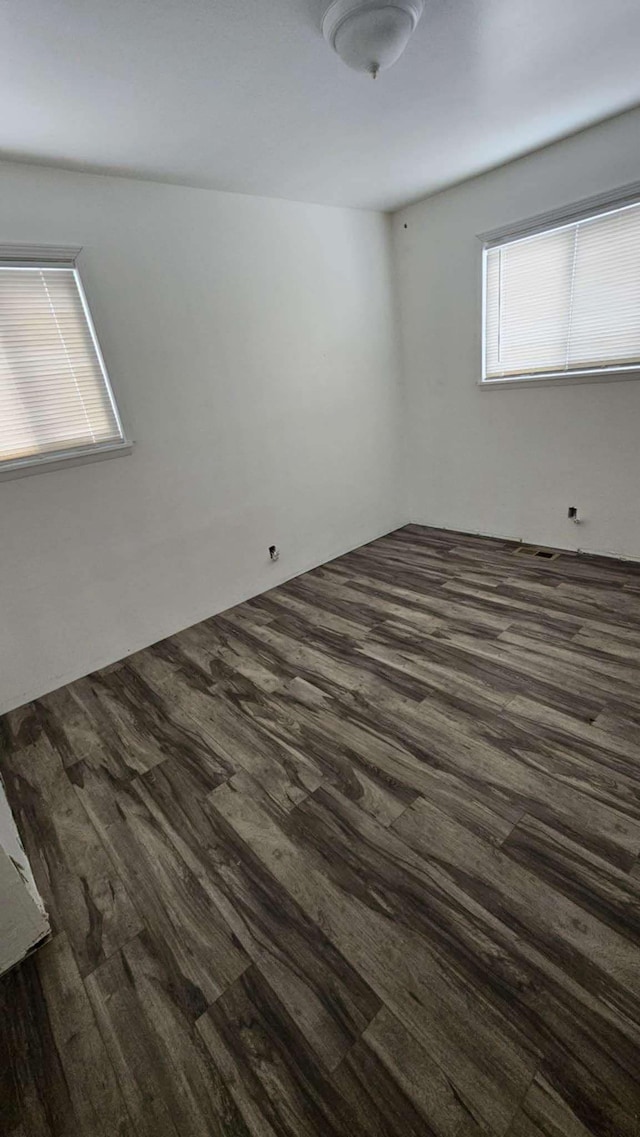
[{"x": 357, "y": 857}]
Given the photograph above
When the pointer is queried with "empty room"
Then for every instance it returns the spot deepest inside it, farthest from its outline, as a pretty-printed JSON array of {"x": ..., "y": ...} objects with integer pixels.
[{"x": 320, "y": 568}]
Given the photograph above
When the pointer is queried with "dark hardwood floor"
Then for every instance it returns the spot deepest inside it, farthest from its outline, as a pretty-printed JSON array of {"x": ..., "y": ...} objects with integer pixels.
[{"x": 358, "y": 857}]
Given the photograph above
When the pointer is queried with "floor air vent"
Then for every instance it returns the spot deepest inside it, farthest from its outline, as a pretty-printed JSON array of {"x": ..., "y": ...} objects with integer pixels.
[{"x": 534, "y": 551}]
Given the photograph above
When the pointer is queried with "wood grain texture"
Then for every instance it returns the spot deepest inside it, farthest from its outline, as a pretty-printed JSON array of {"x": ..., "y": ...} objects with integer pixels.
[
  {"x": 265, "y": 1058},
  {"x": 84, "y": 895},
  {"x": 357, "y": 857},
  {"x": 544, "y": 1114},
  {"x": 58, "y": 1076},
  {"x": 146, "y": 1011}
]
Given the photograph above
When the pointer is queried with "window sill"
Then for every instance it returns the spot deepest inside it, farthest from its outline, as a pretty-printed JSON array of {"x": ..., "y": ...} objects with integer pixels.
[
  {"x": 24, "y": 467},
  {"x": 559, "y": 380}
]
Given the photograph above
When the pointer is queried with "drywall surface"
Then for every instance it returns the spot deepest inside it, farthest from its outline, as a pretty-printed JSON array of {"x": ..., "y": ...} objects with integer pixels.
[
  {"x": 22, "y": 923},
  {"x": 11, "y": 846},
  {"x": 251, "y": 347},
  {"x": 23, "y": 920},
  {"x": 502, "y": 461}
]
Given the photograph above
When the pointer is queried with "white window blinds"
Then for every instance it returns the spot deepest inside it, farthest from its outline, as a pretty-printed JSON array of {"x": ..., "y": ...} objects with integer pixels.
[
  {"x": 566, "y": 300},
  {"x": 55, "y": 397}
]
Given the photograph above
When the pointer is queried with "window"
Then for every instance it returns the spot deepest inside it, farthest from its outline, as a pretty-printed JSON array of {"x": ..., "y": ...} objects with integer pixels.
[
  {"x": 565, "y": 300},
  {"x": 56, "y": 401}
]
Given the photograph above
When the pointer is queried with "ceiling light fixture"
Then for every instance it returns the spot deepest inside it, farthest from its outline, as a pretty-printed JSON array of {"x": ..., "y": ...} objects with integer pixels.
[{"x": 370, "y": 35}]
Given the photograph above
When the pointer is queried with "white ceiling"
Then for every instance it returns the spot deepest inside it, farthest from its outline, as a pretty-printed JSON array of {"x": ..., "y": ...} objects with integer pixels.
[{"x": 245, "y": 95}]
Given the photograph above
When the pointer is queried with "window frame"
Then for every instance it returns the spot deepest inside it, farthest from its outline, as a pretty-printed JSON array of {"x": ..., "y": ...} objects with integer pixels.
[
  {"x": 63, "y": 257},
  {"x": 544, "y": 223}
]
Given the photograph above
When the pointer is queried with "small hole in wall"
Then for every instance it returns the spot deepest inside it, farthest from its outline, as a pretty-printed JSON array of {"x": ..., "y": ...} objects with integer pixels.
[{"x": 405, "y": 225}]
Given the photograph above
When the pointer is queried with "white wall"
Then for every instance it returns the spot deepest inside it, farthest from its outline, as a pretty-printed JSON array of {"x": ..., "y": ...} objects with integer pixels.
[
  {"x": 11, "y": 847},
  {"x": 24, "y": 924},
  {"x": 23, "y": 920},
  {"x": 502, "y": 461},
  {"x": 251, "y": 346}
]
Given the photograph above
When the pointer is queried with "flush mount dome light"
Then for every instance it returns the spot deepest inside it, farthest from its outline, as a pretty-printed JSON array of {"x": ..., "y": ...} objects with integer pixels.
[{"x": 370, "y": 35}]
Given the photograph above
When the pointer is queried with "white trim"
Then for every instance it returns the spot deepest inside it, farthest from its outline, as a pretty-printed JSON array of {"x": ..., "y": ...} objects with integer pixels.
[
  {"x": 64, "y": 256},
  {"x": 483, "y": 318},
  {"x": 24, "y": 467},
  {"x": 568, "y": 550},
  {"x": 235, "y": 595},
  {"x": 98, "y": 351},
  {"x": 562, "y": 378},
  {"x": 589, "y": 208},
  {"x": 565, "y": 215}
]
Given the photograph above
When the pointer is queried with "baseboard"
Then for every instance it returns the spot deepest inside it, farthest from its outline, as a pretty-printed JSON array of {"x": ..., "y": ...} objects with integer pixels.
[
  {"x": 524, "y": 540},
  {"x": 164, "y": 632}
]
